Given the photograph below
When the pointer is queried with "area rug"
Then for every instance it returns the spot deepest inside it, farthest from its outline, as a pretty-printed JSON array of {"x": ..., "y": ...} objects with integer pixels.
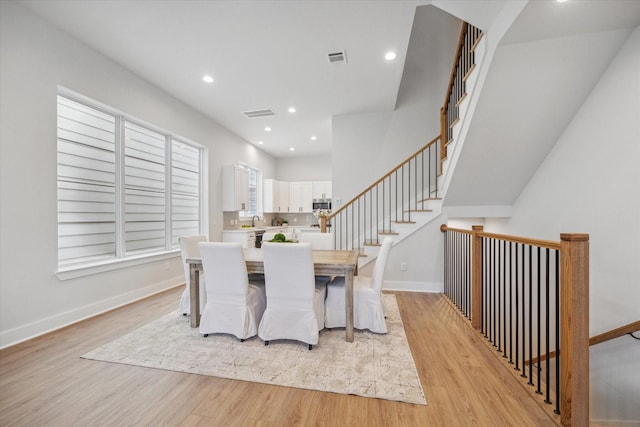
[{"x": 374, "y": 365}]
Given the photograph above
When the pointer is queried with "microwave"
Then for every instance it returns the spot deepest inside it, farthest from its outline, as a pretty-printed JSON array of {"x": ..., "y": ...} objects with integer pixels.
[{"x": 322, "y": 204}]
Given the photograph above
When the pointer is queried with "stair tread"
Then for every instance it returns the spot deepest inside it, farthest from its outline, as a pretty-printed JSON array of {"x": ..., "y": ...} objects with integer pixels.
[
  {"x": 421, "y": 210},
  {"x": 468, "y": 73},
  {"x": 404, "y": 222},
  {"x": 388, "y": 233}
]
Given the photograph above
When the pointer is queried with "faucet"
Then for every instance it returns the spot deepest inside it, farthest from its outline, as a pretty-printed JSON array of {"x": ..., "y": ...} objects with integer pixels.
[{"x": 253, "y": 218}]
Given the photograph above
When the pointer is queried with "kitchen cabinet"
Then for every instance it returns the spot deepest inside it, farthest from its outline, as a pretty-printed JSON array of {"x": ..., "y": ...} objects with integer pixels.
[
  {"x": 235, "y": 188},
  {"x": 247, "y": 238},
  {"x": 293, "y": 197},
  {"x": 321, "y": 190},
  {"x": 283, "y": 203},
  {"x": 300, "y": 197},
  {"x": 271, "y": 195},
  {"x": 276, "y": 196}
]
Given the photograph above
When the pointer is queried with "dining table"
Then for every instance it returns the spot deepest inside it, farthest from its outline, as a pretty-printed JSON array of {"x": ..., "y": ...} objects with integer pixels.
[{"x": 339, "y": 263}]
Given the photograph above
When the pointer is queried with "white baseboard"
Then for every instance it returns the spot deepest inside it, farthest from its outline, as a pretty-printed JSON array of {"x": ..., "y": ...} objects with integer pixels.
[
  {"x": 58, "y": 321},
  {"x": 432, "y": 287}
]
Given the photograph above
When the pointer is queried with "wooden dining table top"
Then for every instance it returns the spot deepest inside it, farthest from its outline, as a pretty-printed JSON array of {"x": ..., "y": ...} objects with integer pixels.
[{"x": 327, "y": 261}]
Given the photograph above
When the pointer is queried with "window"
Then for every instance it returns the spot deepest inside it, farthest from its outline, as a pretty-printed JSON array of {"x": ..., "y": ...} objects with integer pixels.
[
  {"x": 125, "y": 189},
  {"x": 254, "y": 208}
]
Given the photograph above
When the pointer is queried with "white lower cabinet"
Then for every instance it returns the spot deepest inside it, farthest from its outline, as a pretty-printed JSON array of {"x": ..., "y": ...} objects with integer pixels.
[{"x": 246, "y": 238}]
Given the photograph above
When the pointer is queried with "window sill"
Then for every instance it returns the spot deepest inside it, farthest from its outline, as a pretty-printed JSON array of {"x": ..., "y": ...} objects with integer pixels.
[{"x": 111, "y": 265}]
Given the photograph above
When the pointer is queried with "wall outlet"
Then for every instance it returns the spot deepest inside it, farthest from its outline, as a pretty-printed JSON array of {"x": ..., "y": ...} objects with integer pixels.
[
  {"x": 295, "y": 219},
  {"x": 403, "y": 266}
]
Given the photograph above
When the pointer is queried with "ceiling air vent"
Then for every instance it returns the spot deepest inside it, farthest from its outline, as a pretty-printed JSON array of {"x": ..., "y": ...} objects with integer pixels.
[
  {"x": 258, "y": 113},
  {"x": 338, "y": 57}
]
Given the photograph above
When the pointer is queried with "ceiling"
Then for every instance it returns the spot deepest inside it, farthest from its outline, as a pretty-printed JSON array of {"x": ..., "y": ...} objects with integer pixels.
[{"x": 261, "y": 54}]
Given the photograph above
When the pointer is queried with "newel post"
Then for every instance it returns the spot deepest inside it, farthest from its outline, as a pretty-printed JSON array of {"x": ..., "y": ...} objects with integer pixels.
[
  {"x": 323, "y": 223},
  {"x": 476, "y": 277},
  {"x": 574, "y": 339}
]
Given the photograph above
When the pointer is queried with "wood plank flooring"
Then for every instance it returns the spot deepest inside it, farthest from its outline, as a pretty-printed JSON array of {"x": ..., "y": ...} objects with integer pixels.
[{"x": 45, "y": 382}]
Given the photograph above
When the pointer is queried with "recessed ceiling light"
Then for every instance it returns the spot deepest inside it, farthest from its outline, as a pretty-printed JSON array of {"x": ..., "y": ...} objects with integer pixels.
[
  {"x": 292, "y": 109},
  {"x": 207, "y": 78},
  {"x": 562, "y": 1},
  {"x": 313, "y": 137},
  {"x": 292, "y": 149},
  {"x": 390, "y": 56},
  {"x": 260, "y": 142},
  {"x": 268, "y": 129}
]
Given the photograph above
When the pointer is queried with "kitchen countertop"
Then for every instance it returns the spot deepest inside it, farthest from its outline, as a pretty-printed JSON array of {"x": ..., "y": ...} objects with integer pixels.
[{"x": 266, "y": 228}]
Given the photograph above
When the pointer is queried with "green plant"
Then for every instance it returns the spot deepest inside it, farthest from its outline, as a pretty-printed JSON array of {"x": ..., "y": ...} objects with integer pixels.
[{"x": 279, "y": 238}]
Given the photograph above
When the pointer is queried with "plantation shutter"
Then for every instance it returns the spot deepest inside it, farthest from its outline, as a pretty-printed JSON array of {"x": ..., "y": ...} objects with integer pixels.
[
  {"x": 144, "y": 189},
  {"x": 86, "y": 183},
  {"x": 185, "y": 191}
]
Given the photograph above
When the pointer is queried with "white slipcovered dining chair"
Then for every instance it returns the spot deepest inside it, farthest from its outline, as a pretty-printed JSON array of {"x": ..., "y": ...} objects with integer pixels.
[
  {"x": 319, "y": 241},
  {"x": 189, "y": 249},
  {"x": 234, "y": 306},
  {"x": 295, "y": 303},
  {"x": 368, "y": 306}
]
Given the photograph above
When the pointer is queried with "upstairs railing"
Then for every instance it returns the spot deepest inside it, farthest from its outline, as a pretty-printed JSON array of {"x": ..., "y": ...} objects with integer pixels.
[
  {"x": 529, "y": 298},
  {"x": 463, "y": 65},
  {"x": 390, "y": 200}
]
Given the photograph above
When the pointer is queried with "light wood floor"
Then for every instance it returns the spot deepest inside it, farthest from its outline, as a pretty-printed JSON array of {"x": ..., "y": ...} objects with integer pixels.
[{"x": 45, "y": 382}]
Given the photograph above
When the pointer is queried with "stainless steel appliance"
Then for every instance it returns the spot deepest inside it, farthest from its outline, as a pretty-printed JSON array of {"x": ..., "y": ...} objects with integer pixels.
[
  {"x": 322, "y": 204},
  {"x": 259, "y": 234}
]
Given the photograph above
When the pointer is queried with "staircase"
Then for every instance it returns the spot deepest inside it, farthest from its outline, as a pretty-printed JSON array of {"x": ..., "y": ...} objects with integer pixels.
[{"x": 409, "y": 196}]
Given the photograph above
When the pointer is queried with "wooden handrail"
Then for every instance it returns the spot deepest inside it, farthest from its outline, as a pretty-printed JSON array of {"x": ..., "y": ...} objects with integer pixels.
[
  {"x": 615, "y": 333},
  {"x": 598, "y": 339},
  {"x": 408, "y": 159},
  {"x": 456, "y": 60},
  {"x": 550, "y": 244}
]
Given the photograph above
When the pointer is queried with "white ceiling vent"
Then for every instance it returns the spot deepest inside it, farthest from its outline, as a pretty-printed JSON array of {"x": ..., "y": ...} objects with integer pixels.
[
  {"x": 258, "y": 113},
  {"x": 339, "y": 57}
]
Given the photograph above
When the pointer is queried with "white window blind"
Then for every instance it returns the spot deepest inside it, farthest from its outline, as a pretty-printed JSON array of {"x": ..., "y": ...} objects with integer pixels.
[
  {"x": 124, "y": 189},
  {"x": 144, "y": 189},
  {"x": 185, "y": 191},
  {"x": 86, "y": 183}
]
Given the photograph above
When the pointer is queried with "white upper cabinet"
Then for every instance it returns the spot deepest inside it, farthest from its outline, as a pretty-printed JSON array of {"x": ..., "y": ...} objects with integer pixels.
[
  {"x": 276, "y": 196},
  {"x": 235, "y": 188},
  {"x": 293, "y": 197},
  {"x": 300, "y": 197},
  {"x": 321, "y": 190},
  {"x": 271, "y": 194},
  {"x": 283, "y": 199}
]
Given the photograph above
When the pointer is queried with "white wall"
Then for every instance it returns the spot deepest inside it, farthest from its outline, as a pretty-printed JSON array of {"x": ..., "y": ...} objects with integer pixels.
[
  {"x": 35, "y": 58},
  {"x": 312, "y": 168},
  {"x": 589, "y": 184}
]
